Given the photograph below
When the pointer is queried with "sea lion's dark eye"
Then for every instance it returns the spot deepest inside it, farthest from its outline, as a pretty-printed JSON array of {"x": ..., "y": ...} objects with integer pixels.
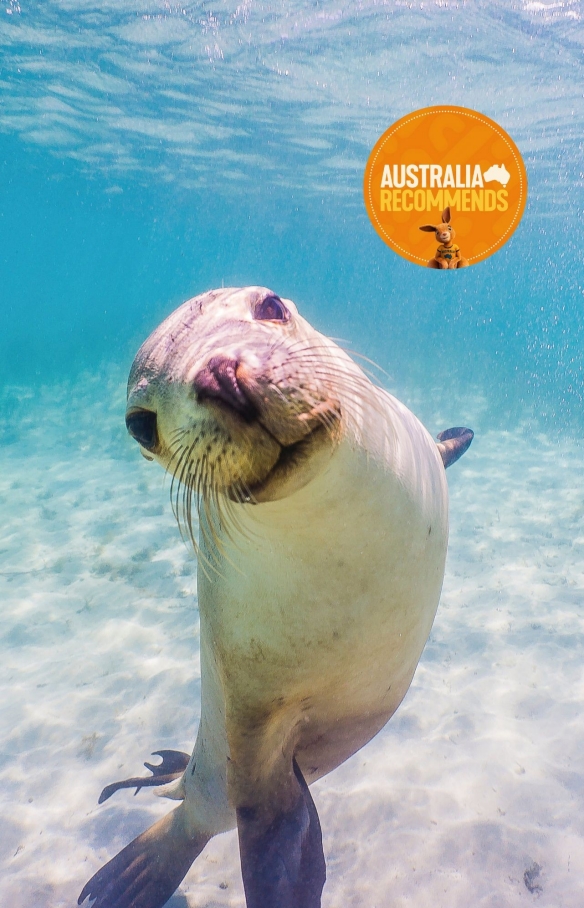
[
  {"x": 271, "y": 309},
  {"x": 141, "y": 425}
]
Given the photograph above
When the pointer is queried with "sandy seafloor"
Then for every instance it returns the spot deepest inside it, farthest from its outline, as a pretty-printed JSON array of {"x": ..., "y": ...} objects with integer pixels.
[{"x": 471, "y": 796}]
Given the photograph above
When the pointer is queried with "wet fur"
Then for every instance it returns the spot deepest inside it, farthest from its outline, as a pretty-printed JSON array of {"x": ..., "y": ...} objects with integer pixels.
[{"x": 315, "y": 604}]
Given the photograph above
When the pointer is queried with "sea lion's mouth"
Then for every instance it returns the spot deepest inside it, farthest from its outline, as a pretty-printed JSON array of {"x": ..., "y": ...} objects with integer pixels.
[
  {"x": 224, "y": 385},
  {"x": 287, "y": 474},
  {"x": 292, "y": 467}
]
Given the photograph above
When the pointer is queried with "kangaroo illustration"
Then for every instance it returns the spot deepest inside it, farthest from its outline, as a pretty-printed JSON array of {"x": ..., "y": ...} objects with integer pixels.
[{"x": 448, "y": 253}]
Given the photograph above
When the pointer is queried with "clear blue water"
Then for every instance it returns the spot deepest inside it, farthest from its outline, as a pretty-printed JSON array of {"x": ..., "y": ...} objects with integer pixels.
[{"x": 152, "y": 150}]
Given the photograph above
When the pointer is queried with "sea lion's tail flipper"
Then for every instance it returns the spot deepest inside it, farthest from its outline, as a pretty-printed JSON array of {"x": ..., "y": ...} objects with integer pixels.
[
  {"x": 174, "y": 763},
  {"x": 452, "y": 443},
  {"x": 282, "y": 861},
  {"x": 148, "y": 870}
]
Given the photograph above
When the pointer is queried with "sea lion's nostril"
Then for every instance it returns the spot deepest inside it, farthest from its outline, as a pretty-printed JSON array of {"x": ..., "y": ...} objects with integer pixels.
[
  {"x": 218, "y": 381},
  {"x": 141, "y": 425}
]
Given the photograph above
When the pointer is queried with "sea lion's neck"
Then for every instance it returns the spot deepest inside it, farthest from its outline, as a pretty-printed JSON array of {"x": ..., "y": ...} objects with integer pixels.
[
  {"x": 340, "y": 478},
  {"x": 378, "y": 463}
]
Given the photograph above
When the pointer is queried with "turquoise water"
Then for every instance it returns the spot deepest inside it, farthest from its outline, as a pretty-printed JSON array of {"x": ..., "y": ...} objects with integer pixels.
[{"x": 152, "y": 150}]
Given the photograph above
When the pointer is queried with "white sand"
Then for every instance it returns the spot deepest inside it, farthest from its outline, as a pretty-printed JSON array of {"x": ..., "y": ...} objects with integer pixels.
[{"x": 477, "y": 779}]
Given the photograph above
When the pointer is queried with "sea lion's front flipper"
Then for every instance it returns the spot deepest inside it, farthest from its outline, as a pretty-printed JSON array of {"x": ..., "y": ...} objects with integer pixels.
[
  {"x": 452, "y": 443},
  {"x": 282, "y": 861},
  {"x": 148, "y": 870},
  {"x": 174, "y": 763}
]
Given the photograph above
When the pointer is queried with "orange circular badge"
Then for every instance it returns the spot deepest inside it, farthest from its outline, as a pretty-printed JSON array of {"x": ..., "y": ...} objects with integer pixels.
[{"x": 445, "y": 187}]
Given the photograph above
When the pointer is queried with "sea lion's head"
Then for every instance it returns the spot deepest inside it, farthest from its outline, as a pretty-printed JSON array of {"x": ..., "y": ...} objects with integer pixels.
[{"x": 238, "y": 397}]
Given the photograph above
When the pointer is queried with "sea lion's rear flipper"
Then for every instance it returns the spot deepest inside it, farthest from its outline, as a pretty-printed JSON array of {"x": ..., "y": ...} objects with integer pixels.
[
  {"x": 452, "y": 443},
  {"x": 282, "y": 861},
  {"x": 174, "y": 763},
  {"x": 148, "y": 870}
]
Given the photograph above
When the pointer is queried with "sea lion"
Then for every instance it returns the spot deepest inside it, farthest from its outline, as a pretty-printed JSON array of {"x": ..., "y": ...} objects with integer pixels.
[{"x": 323, "y": 528}]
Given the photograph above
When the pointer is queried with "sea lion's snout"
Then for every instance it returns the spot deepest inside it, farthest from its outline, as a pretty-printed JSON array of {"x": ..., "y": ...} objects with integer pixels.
[
  {"x": 218, "y": 380},
  {"x": 235, "y": 395}
]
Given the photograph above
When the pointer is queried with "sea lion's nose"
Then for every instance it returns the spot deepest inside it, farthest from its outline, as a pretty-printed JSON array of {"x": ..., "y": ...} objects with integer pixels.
[
  {"x": 218, "y": 381},
  {"x": 141, "y": 424}
]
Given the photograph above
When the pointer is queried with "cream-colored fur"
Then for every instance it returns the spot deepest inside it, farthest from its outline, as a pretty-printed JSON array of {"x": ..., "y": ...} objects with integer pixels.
[{"x": 316, "y": 600}]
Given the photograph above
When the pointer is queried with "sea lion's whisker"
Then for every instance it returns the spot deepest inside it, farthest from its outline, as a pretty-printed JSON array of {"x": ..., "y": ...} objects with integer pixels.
[
  {"x": 189, "y": 511},
  {"x": 174, "y": 448},
  {"x": 301, "y": 347},
  {"x": 331, "y": 423},
  {"x": 349, "y": 350},
  {"x": 354, "y": 388},
  {"x": 174, "y": 480},
  {"x": 353, "y": 385},
  {"x": 211, "y": 511},
  {"x": 174, "y": 454},
  {"x": 178, "y": 433},
  {"x": 185, "y": 469},
  {"x": 204, "y": 525},
  {"x": 206, "y": 496}
]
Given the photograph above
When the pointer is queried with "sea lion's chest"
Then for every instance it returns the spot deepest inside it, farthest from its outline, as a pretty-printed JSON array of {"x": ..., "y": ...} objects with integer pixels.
[{"x": 343, "y": 576}]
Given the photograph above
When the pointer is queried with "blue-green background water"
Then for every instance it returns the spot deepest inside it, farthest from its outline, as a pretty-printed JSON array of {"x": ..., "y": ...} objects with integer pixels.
[{"x": 151, "y": 150}]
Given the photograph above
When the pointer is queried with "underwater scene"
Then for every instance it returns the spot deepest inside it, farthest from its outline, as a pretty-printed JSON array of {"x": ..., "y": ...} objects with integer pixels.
[{"x": 151, "y": 151}]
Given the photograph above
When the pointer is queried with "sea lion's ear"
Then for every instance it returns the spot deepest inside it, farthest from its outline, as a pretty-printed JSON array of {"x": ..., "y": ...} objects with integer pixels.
[
  {"x": 282, "y": 860},
  {"x": 446, "y": 216},
  {"x": 453, "y": 443},
  {"x": 428, "y": 228}
]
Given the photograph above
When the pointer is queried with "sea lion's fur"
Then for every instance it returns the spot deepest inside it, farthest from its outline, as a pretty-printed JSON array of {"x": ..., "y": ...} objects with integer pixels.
[{"x": 323, "y": 533}]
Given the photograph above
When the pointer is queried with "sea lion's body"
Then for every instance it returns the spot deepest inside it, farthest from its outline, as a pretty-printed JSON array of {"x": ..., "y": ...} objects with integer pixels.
[
  {"x": 323, "y": 606},
  {"x": 317, "y": 586}
]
